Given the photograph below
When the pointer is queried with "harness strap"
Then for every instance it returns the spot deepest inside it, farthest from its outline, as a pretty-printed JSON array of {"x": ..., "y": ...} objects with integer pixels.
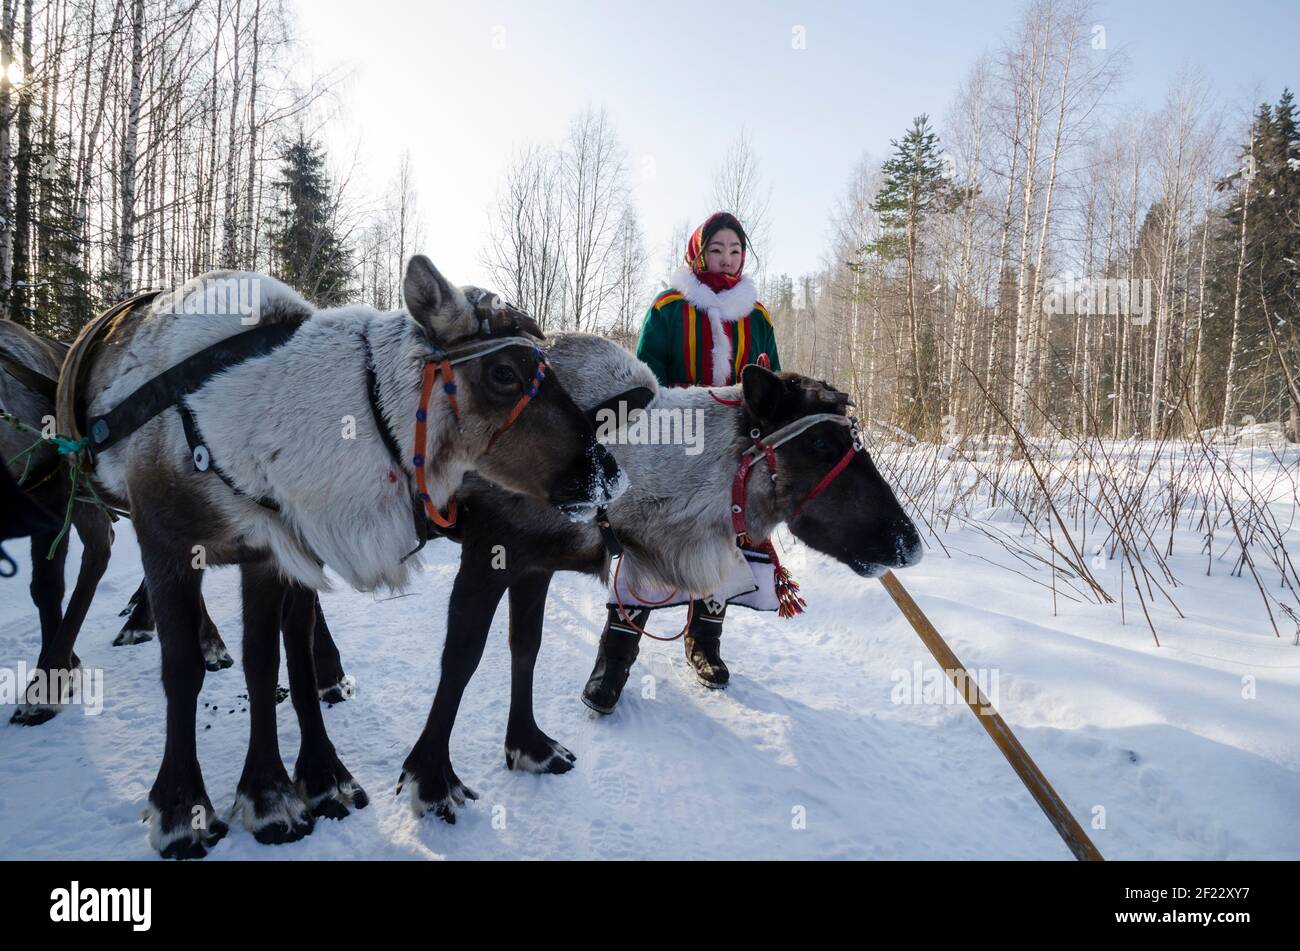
[
  {"x": 173, "y": 384},
  {"x": 202, "y": 457},
  {"x": 372, "y": 390},
  {"x": 37, "y": 382},
  {"x": 607, "y": 534},
  {"x": 418, "y": 518}
]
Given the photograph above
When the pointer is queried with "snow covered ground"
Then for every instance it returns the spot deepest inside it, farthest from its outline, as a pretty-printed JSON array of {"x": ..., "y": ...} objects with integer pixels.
[{"x": 806, "y": 755}]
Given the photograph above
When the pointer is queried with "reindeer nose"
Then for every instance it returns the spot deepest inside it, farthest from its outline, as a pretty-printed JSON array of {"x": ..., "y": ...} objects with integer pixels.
[
  {"x": 907, "y": 545},
  {"x": 613, "y": 481}
]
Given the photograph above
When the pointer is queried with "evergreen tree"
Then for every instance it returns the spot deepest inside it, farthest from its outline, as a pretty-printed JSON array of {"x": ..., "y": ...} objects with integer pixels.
[
  {"x": 1270, "y": 287},
  {"x": 60, "y": 294},
  {"x": 309, "y": 254},
  {"x": 916, "y": 186}
]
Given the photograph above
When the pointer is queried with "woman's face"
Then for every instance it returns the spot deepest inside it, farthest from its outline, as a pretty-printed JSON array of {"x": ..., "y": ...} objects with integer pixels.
[{"x": 723, "y": 253}]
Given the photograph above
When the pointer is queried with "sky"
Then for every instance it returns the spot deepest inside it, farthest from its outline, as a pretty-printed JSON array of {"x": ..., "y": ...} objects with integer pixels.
[{"x": 464, "y": 85}]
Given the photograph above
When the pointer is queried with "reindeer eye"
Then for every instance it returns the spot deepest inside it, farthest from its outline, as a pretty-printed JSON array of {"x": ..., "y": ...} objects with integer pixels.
[{"x": 503, "y": 373}]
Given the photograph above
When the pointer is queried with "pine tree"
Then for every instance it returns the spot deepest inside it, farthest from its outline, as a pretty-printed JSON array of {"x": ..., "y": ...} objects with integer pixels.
[
  {"x": 915, "y": 187},
  {"x": 60, "y": 294},
  {"x": 308, "y": 253},
  {"x": 1251, "y": 328}
]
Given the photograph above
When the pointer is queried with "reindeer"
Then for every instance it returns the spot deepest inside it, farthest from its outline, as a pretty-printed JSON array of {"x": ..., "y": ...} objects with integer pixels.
[
  {"x": 29, "y": 371},
  {"x": 677, "y": 525},
  {"x": 298, "y": 456}
]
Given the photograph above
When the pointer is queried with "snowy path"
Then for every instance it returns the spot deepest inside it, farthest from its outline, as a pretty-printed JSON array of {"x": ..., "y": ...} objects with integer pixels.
[{"x": 1160, "y": 737}]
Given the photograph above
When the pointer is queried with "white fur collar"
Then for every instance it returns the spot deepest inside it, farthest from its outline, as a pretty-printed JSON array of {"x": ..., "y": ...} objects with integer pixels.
[
  {"x": 727, "y": 306},
  {"x": 732, "y": 304}
]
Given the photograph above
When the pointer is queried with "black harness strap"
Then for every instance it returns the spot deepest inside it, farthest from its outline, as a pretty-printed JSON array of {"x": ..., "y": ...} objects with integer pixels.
[
  {"x": 203, "y": 461},
  {"x": 424, "y": 528},
  {"x": 37, "y": 382},
  {"x": 372, "y": 390},
  {"x": 172, "y": 385}
]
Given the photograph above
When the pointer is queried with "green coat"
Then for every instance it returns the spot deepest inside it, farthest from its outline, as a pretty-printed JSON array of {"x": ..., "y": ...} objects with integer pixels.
[{"x": 677, "y": 341}]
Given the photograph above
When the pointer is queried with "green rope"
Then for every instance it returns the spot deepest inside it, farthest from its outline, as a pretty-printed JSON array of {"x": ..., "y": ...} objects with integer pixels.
[{"x": 65, "y": 446}]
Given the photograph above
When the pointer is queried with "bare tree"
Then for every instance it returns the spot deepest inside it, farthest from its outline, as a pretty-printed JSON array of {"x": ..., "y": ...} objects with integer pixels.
[
  {"x": 526, "y": 244},
  {"x": 594, "y": 176},
  {"x": 739, "y": 187}
]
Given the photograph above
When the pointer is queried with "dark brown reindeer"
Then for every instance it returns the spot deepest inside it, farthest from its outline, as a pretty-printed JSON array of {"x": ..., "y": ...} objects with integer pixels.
[
  {"x": 289, "y": 448},
  {"x": 677, "y": 524},
  {"x": 29, "y": 370}
]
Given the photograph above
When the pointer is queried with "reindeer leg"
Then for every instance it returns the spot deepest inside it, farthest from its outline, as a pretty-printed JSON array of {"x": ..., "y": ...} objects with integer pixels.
[
  {"x": 139, "y": 624},
  {"x": 332, "y": 684},
  {"x": 527, "y": 747},
  {"x": 47, "y": 587},
  {"x": 322, "y": 779},
  {"x": 40, "y": 698},
  {"x": 215, "y": 655},
  {"x": 474, "y": 598},
  {"x": 58, "y": 660},
  {"x": 182, "y": 822},
  {"x": 267, "y": 801},
  {"x": 96, "y": 533}
]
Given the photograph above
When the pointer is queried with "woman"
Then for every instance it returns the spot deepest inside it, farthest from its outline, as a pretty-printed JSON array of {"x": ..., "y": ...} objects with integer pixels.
[{"x": 699, "y": 332}]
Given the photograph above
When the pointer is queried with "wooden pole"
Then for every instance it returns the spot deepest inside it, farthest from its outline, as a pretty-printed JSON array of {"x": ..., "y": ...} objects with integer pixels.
[{"x": 1057, "y": 812}]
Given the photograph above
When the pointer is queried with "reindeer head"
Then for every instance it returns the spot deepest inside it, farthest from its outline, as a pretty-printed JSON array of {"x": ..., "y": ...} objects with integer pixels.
[
  {"x": 856, "y": 518},
  {"x": 550, "y": 450}
]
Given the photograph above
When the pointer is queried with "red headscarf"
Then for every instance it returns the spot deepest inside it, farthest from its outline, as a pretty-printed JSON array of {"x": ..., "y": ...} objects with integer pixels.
[{"x": 715, "y": 280}]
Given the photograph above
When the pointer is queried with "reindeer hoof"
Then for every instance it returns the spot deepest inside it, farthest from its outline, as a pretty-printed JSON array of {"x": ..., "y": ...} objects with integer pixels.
[
  {"x": 538, "y": 753},
  {"x": 216, "y": 657},
  {"x": 128, "y": 636},
  {"x": 345, "y": 689},
  {"x": 328, "y": 788},
  {"x": 438, "y": 794},
  {"x": 275, "y": 814},
  {"x": 178, "y": 838},
  {"x": 33, "y": 714}
]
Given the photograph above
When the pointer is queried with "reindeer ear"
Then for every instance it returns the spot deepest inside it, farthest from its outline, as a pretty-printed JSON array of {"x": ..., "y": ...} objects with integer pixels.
[
  {"x": 436, "y": 304},
  {"x": 762, "y": 391}
]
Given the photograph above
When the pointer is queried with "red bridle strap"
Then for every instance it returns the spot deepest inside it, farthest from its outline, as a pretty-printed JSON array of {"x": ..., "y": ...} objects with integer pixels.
[
  {"x": 787, "y": 590},
  {"x": 827, "y": 479}
]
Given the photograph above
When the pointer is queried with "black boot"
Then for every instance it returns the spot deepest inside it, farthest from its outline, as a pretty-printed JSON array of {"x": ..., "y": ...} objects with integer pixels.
[
  {"x": 702, "y": 639},
  {"x": 619, "y": 645}
]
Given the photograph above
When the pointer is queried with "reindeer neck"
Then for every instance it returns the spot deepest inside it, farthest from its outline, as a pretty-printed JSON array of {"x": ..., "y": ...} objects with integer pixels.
[{"x": 726, "y": 437}]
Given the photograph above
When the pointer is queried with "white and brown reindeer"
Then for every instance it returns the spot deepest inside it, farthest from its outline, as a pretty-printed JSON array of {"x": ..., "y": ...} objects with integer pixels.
[
  {"x": 295, "y": 451},
  {"x": 778, "y": 448},
  {"x": 803, "y": 464}
]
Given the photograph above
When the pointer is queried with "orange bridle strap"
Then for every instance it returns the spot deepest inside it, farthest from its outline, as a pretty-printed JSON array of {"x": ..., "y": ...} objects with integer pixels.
[
  {"x": 443, "y": 367},
  {"x": 431, "y": 371}
]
